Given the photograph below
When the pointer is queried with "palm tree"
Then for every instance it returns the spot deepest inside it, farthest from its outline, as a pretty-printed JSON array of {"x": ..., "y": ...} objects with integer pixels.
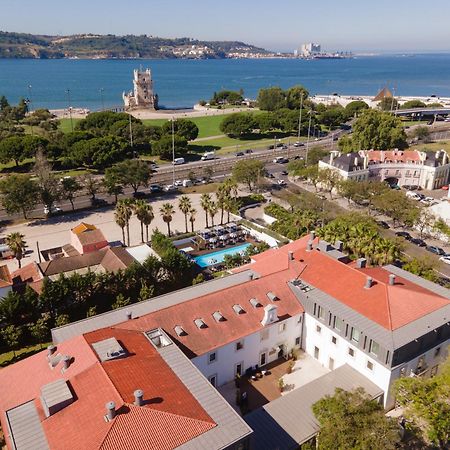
[
  {"x": 167, "y": 211},
  {"x": 125, "y": 206},
  {"x": 212, "y": 210},
  {"x": 192, "y": 213},
  {"x": 185, "y": 205},
  {"x": 229, "y": 204},
  {"x": 147, "y": 218},
  {"x": 205, "y": 201},
  {"x": 221, "y": 195},
  {"x": 17, "y": 245},
  {"x": 144, "y": 213},
  {"x": 120, "y": 220}
]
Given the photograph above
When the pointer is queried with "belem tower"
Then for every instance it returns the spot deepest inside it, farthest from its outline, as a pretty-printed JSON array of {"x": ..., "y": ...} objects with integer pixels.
[{"x": 142, "y": 96}]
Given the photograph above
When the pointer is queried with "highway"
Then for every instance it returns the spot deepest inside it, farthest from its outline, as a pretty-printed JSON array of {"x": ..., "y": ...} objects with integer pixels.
[{"x": 221, "y": 169}]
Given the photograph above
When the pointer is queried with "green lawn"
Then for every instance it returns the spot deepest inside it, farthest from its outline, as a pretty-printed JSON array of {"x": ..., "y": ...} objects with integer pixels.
[
  {"x": 154, "y": 122},
  {"x": 432, "y": 146},
  {"x": 65, "y": 126},
  {"x": 9, "y": 358}
]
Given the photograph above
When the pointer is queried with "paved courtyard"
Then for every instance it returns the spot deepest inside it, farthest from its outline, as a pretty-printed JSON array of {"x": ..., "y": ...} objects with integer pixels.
[
  {"x": 265, "y": 389},
  {"x": 54, "y": 231}
]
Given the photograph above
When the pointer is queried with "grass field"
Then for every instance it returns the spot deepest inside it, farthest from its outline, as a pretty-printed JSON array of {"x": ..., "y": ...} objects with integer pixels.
[
  {"x": 433, "y": 146},
  {"x": 65, "y": 126}
]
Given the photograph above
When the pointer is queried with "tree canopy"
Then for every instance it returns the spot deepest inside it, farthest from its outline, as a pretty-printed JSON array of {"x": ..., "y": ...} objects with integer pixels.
[
  {"x": 182, "y": 127},
  {"x": 249, "y": 172},
  {"x": 238, "y": 124}
]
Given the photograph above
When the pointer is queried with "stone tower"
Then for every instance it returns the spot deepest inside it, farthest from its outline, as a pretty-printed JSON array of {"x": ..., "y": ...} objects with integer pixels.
[{"x": 142, "y": 96}]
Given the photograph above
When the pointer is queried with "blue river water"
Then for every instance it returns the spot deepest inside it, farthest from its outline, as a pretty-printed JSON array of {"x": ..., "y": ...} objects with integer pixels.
[{"x": 181, "y": 83}]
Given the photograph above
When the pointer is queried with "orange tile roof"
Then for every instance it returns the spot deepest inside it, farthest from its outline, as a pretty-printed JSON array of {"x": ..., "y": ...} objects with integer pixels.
[
  {"x": 82, "y": 227},
  {"x": 392, "y": 155},
  {"x": 199, "y": 341}
]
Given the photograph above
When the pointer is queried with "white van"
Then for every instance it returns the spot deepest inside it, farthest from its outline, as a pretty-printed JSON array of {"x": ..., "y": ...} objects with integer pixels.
[
  {"x": 208, "y": 156},
  {"x": 178, "y": 161},
  {"x": 187, "y": 183}
]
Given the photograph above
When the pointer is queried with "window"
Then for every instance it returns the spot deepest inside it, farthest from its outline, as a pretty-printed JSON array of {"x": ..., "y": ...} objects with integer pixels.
[
  {"x": 369, "y": 365},
  {"x": 212, "y": 357},
  {"x": 374, "y": 348},
  {"x": 213, "y": 380},
  {"x": 239, "y": 345},
  {"x": 262, "y": 359},
  {"x": 351, "y": 352},
  {"x": 321, "y": 313},
  {"x": 316, "y": 352},
  {"x": 334, "y": 340},
  {"x": 297, "y": 341},
  {"x": 264, "y": 334},
  {"x": 238, "y": 368},
  {"x": 281, "y": 327},
  {"x": 355, "y": 335},
  {"x": 338, "y": 324},
  {"x": 437, "y": 351},
  {"x": 318, "y": 329}
]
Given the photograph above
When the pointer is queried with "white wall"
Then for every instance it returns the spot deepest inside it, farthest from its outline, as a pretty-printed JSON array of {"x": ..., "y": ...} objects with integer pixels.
[
  {"x": 379, "y": 374},
  {"x": 4, "y": 291},
  {"x": 269, "y": 240},
  {"x": 227, "y": 356}
]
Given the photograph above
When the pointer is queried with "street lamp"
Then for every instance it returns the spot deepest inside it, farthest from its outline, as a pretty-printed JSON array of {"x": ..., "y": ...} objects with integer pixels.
[
  {"x": 29, "y": 103},
  {"x": 300, "y": 117},
  {"x": 70, "y": 108},
  {"x": 173, "y": 151},
  {"x": 310, "y": 112}
]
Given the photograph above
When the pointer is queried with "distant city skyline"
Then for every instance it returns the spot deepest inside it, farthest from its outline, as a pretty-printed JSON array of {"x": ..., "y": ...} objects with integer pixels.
[{"x": 350, "y": 25}]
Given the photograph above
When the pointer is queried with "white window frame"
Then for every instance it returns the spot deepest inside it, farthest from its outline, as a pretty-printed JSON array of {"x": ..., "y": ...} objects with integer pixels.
[{"x": 281, "y": 327}]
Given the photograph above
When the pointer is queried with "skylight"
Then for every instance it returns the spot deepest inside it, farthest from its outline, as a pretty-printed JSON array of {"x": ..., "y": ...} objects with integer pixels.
[
  {"x": 180, "y": 331},
  {"x": 272, "y": 297},
  {"x": 255, "y": 303},
  {"x": 238, "y": 309},
  {"x": 218, "y": 316},
  {"x": 200, "y": 323}
]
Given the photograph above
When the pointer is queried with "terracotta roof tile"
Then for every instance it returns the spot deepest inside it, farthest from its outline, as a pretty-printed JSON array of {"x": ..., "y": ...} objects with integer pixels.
[{"x": 82, "y": 227}]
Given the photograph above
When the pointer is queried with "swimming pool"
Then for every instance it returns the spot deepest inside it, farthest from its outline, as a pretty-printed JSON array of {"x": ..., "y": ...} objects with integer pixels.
[{"x": 207, "y": 260}]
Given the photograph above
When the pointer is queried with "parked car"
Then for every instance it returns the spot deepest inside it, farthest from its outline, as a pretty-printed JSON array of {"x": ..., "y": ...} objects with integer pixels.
[
  {"x": 445, "y": 259},
  {"x": 178, "y": 183},
  {"x": 418, "y": 242},
  {"x": 239, "y": 154},
  {"x": 299, "y": 144},
  {"x": 155, "y": 188},
  {"x": 383, "y": 224},
  {"x": 170, "y": 188},
  {"x": 280, "y": 160},
  {"x": 284, "y": 173},
  {"x": 178, "y": 161},
  {"x": 54, "y": 210},
  {"x": 249, "y": 150},
  {"x": 281, "y": 183},
  {"x": 436, "y": 250},
  {"x": 404, "y": 234},
  {"x": 270, "y": 175},
  {"x": 139, "y": 194},
  {"x": 201, "y": 180}
]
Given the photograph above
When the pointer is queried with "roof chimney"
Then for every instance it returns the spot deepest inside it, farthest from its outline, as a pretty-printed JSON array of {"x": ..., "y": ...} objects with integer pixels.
[
  {"x": 51, "y": 349},
  {"x": 361, "y": 263},
  {"x": 309, "y": 246},
  {"x": 129, "y": 315},
  {"x": 312, "y": 235},
  {"x": 291, "y": 255},
  {"x": 66, "y": 362},
  {"x": 369, "y": 282},
  {"x": 391, "y": 279},
  {"x": 250, "y": 276},
  {"x": 110, "y": 411},
  {"x": 138, "y": 397}
]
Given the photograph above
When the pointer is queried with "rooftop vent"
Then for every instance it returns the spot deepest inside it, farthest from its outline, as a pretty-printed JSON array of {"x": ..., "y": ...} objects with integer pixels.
[
  {"x": 250, "y": 276},
  {"x": 309, "y": 246},
  {"x": 272, "y": 297},
  {"x": 218, "y": 317},
  {"x": 238, "y": 309},
  {"x": 369, "y": 282},
  {"x": 110, "y": 411},
  {"x": 291, "y": 255},
  {"x": 200, "y": 323},
  {"x": 55, "y": 396},
  {"x": 54, "y": 360},
  {"x": 324, "y": 246},
  {"x": 361, "y": 263},
  {"x": 312, "y": 235},
  {"x": 270, "y": 315},
  {"x": 129, "y": 315},
  {"x": 339, "y": 245},
  {"x": 138, "y": 397},
  {"x": 255, "y": 303},
  {"x": 66, "y": 359},
  {"x": 392, "y": 279},
  {"x": 109, "y": 349},
  {"x": 50, "y": 350},
  {"x": 301, "y": 285},
  {"x": 180, "y": 331}
]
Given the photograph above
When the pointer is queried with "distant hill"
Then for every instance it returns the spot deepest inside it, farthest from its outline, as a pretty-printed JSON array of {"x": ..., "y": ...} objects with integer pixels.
[{"x": 92, "y": 46}]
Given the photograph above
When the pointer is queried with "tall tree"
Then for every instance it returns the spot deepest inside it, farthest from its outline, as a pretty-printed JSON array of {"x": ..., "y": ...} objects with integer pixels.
[
  {"x": 185, "y": 205},
  {"x": 120, "y": 219},
  {"x": 40, "y": 330},
  {"x": 125, "y": 211},
  {"x": 249, "y": 172},
  {"x": 352, "y": 421},
  {"x": 205, "y": 201},
  {"x": 11, "y": 335},
  {"x": 182, "y": 127},
  {"x": 144, "y": 213},
  {"x": 238, "y": 124},
  {"x": 212, "y": 210},
  {"x": 48, "y": 184},
  {"x": 70, "y": 187},
  {"x": 133, "y": 172},
  {"x": 167, "y": 211},
  {"x": 92, "y": 185},
  {"x": 426, "y": 403},
  {"x": 15, "y": 241},
  {"x": 192, "y": 213},
  {"x": 113, "y": 183},
  {"x": 19, "y": 193}
]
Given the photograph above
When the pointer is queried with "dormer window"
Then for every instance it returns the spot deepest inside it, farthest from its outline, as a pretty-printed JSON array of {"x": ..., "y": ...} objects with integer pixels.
[
  {"x": 180, "y": 331},
  {"x": 272, "y": 297},
  {"x": 199, "y": 323},
  {"x": 238, "y": 309},
  {"x": 218, "y": 317},
  {"x": 255, "y": 303}
]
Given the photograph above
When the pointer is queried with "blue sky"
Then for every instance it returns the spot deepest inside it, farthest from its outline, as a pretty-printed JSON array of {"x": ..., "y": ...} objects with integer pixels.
[{"x": 359, "y": 25}]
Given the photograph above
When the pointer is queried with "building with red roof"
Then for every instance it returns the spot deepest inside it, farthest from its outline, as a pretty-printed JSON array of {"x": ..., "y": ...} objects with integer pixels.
[
  {"x": 368, "y": 323},
  {"x": 397, "y": 167}
]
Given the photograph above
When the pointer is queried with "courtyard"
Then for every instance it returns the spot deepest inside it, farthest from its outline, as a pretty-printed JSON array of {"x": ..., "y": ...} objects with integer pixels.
[{"x": 264, "y": 389}]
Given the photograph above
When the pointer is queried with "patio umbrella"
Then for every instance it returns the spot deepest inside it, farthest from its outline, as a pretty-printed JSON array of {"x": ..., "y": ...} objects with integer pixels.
[
  {"x": 212, "y": 240},
  {"x": 233, "y": 235}
]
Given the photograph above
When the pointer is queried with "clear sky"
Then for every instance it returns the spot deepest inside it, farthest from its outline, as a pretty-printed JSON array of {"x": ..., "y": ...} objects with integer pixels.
[{"x": 358, "y": 25}]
